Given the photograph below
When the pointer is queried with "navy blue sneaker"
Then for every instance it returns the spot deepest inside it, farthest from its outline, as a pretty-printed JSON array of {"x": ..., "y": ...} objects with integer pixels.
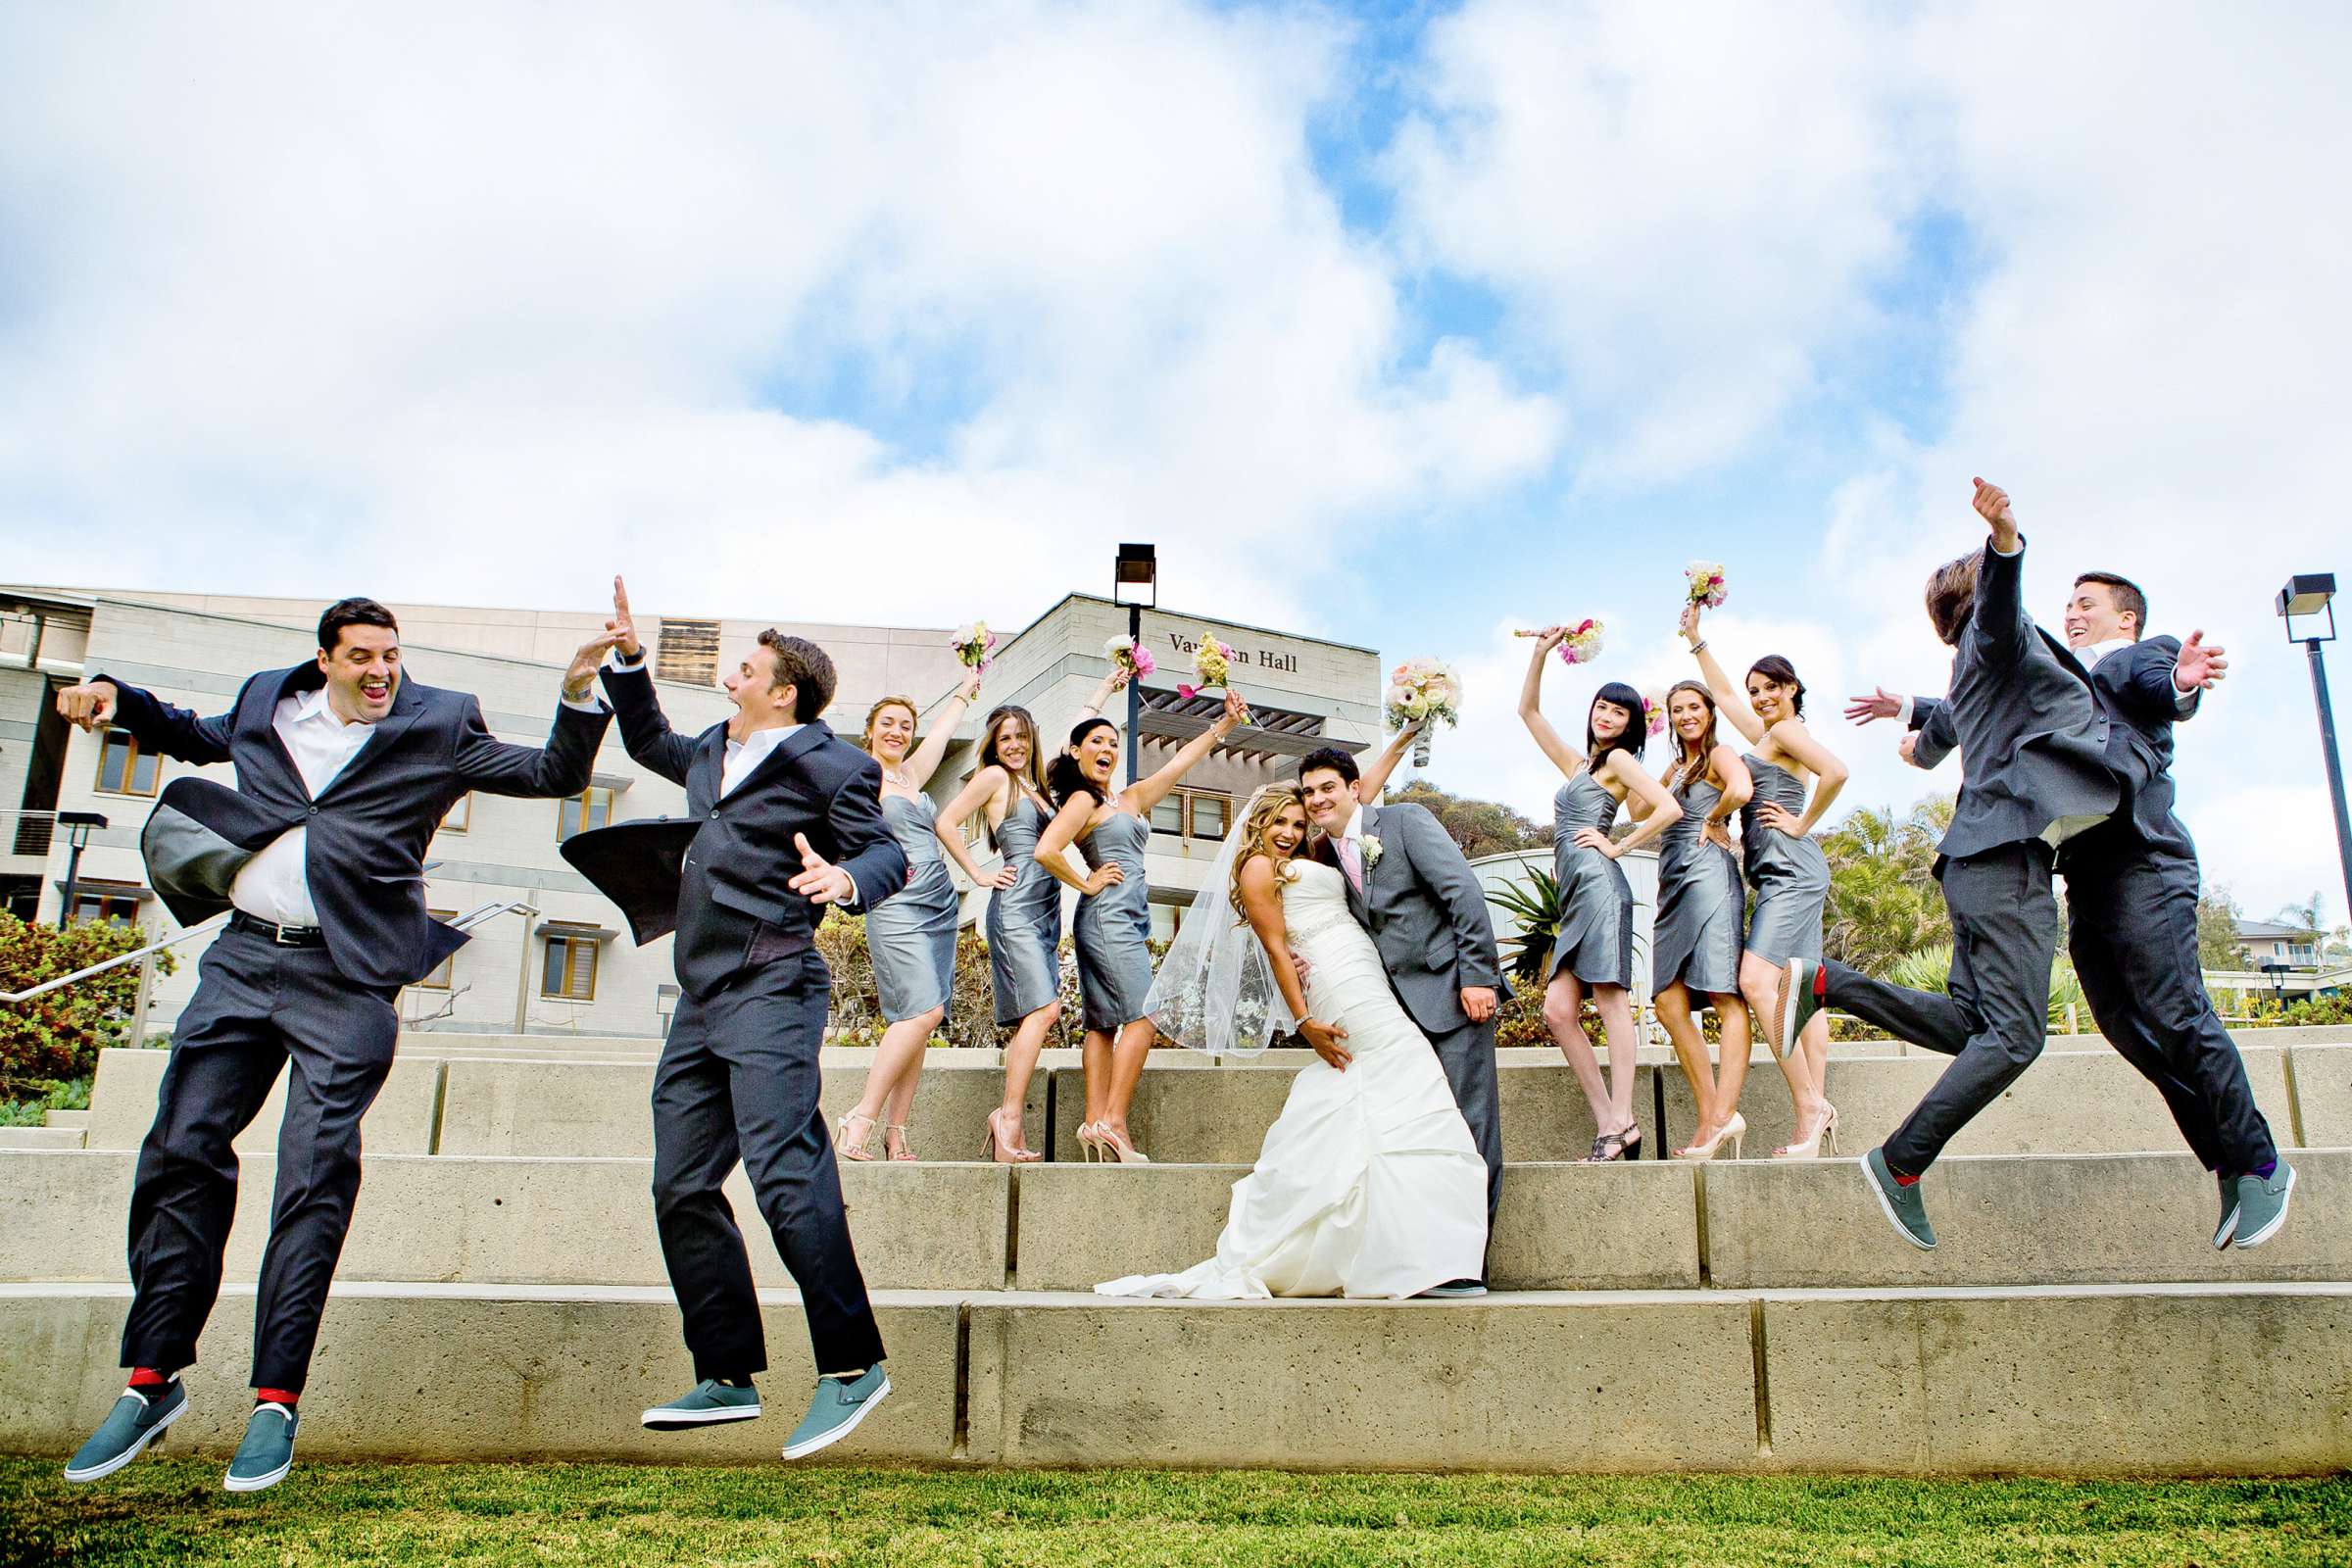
[{"x": 136, "y": 1420}]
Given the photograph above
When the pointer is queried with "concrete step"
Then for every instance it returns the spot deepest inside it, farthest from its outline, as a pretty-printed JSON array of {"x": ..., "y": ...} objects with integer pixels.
[
  {"x": 2040, "y": 1220},
  {"x": 2175, "y": 1380},
  {"x": 1193, "y": 1110},
  {"x": 66, "y": 1119},
  {"x": 40, "y": 1138}
]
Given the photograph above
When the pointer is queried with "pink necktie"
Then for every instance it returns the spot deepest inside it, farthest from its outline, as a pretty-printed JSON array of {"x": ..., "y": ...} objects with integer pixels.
[{"x": 1351, "y": 860}]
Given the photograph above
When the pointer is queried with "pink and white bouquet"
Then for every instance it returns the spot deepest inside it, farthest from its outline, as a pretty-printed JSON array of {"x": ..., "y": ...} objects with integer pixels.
[
  {"x": 1130, "y": 658},
  {"x": 975, "y": 646},
  {"x": 1707, "y": 589},
  {"x": 1582, "y": 645},
  {"x": 1423, "y": 692},
  {"x": 1213, "y": 661},
  {"x": 1654, "y": 712}
]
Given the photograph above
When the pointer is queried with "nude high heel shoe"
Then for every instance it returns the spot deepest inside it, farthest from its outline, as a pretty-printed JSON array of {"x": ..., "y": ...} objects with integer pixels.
[
  {"x": 1810, "y": 1146},
  {"x": 1736, "y": 1130},
  {"x": 1117, "y": 1149},
  {"x": 858, "y": 1149},
  {"x": 1088, "y": 1150}
]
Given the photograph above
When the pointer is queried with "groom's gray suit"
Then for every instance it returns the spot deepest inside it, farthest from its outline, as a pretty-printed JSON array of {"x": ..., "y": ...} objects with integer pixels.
[{"x": 1428, "y": 917}]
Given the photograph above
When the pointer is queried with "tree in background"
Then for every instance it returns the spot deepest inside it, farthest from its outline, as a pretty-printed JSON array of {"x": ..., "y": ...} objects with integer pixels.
[
  {"x": 2217, "y": 915},
  {"x": 54, "y": 1039},
  {"x": 1885, "y": 902},
  {"x": 1480, "y": 827}
]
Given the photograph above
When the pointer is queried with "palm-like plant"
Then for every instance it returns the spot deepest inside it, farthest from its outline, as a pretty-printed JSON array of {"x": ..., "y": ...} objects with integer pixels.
[
  {"x": 1539, "y": 908},
  {"x": 1930, "y": 968}
]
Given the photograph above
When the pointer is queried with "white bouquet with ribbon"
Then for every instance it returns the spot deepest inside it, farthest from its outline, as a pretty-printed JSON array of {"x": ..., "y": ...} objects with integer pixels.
[{"x": 1423, "y": 692}]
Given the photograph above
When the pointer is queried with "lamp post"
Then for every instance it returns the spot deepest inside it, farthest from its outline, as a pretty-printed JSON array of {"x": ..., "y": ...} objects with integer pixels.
[
  {"x": 77, "y": 826},
  {"x": 2309, "y": 595},
  {"x": 1135, "y": 583}
]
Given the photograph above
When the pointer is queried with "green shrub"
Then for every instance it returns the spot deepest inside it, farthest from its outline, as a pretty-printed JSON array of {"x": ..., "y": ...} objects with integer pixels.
[{"x": 56, "y": 1038}]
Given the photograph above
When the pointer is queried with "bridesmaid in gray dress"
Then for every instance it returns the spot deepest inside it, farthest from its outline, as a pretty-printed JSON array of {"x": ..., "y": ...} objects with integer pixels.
[
  {"x": 1024, "y": 902},
  {"x": 1592, "y": 952},
  {"x": 910, "y": 936},
  {"x": 1113, "y": 928},
  {"x": 1695, "y": 944},
  {"x": 1786, "y": 868}
]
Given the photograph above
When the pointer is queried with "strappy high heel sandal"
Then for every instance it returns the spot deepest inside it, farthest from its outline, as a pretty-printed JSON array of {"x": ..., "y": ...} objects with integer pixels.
[
  {"x": 906, "y": 1149},
  {"x": 858, "y": 1149},
  {"x": 1705, "y": 1149},
  {"x": 1610, "y": 1148}
]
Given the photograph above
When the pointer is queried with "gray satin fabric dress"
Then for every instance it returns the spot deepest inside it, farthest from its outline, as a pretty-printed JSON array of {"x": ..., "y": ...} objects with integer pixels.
[
  {"x": 912, "y": 935},
  {"x": 1595, "y": 939},
  {"x": 1113, "y": 927},
  {"x": 1790, "y": 876},
  {"x": 1701, "y": 905},
  {"x": 1024, "y": 920}
]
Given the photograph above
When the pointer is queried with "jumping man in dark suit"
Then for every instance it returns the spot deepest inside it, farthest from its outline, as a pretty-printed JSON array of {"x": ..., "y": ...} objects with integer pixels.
[
  {"x": 344, "y": 769},
  {"x": 774, "y": 799}
]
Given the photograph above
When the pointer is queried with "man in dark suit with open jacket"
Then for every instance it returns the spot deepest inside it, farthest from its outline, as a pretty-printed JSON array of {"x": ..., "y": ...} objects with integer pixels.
[
  {"x": 783, "y": 817},
  {"x": 344, "y": 769}
]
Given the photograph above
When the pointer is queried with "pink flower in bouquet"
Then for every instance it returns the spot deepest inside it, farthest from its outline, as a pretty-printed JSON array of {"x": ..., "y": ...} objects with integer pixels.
[
  {"x": 1707, "y": 589},
  {"x": 974, "y": 645},
  {"x": 1212, "y": 663},
  {"x": 1582, "y": 644},
  {"x": 1130, "y": 658},
  {"x": 1654, "y": 712}
]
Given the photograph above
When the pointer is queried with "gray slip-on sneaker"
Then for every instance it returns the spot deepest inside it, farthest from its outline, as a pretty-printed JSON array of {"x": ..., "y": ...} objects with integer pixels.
[
  {"x": 136, "y": 1420},
  {"x": 268, "y": 1451},
  {"x": 2262, "y": 1204},
  {"x": 1902, "y": 1205},
  {"x": 839, "y": 1404},
  {"x": 707, "y": 1403}
]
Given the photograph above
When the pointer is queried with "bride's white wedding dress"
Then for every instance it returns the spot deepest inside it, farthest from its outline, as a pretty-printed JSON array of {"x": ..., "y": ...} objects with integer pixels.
[{"x": 1368, "y": 1183}]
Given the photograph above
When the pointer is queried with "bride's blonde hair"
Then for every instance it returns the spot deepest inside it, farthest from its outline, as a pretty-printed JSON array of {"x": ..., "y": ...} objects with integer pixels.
[{"x": 1257, "y": 820}]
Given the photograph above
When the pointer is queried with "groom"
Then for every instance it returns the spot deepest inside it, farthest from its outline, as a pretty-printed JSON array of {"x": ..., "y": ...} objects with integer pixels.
[{"x": 1409, "y": 886}]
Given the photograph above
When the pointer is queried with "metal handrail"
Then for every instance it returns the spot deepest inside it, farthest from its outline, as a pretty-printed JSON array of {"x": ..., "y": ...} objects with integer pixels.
[{"x": 464, "y": 922}]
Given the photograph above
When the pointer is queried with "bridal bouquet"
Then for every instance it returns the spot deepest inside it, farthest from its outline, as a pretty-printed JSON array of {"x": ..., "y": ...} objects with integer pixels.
[
  {"x": 1582, "y": 645},
  {"x": 1654, "y": 712},
  {"x": 975, "y": 646},
  {"x": 1707, "y": 589},
  {"x": 1130, "y": 658},
  {"x": 1421, "y": 692},
  {"x": 1213, "y": 661}
]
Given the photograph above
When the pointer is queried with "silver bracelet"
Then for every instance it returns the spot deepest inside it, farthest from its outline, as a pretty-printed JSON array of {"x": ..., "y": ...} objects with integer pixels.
[{"x": 1698, "y": 647}]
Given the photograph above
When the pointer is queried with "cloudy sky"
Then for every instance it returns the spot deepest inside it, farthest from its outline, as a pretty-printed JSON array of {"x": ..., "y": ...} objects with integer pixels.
[{"x": 1400, "y": 324}]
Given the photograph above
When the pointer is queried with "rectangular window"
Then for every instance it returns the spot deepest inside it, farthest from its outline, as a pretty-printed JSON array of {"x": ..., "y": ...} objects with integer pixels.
[
  {"x": 688, "y": 651},
  {"x": 122, "y": 768},
  {"x": 438, "y": 980},
  {"x": 570, "y": 972},
  {"x": 460, "y": 815},
  {"x": 592, "y": 808},
  {"x": 1168, "y": 816},
  {"x": 1211, "y": 814},
  {"x": 108, "y": 907}
]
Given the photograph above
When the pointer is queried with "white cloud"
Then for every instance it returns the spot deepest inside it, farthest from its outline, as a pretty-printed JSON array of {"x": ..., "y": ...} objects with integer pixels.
[{"x": 476, "y": 304}]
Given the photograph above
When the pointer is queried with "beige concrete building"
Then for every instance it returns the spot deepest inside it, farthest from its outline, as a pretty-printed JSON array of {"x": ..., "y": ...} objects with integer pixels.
[{"x": 567, "y": 968}]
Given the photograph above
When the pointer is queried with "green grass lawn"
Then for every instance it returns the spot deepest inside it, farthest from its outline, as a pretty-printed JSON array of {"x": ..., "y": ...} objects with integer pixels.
[{"x": 164, "y": 1511}]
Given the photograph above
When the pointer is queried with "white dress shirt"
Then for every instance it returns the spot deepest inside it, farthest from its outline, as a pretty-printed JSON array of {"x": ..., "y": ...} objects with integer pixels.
[{"x": 274, "y": 885}]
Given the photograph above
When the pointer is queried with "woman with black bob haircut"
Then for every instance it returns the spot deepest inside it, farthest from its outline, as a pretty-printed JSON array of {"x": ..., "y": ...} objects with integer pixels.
[
  {"x": 1113, "y": 926},
  {"x": 1592, "y": 952},
  {"x": 1795, "y": 778}
]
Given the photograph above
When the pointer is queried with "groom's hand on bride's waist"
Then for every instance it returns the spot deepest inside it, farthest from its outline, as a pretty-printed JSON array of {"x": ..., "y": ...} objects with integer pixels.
[
  {"x": 1478, "y": 1002},
  {"x": 1326, "y": 1038}
]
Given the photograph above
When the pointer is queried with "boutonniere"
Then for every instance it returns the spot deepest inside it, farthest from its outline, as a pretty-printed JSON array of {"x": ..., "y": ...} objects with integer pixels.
[{"x": 1371, "y": 848}]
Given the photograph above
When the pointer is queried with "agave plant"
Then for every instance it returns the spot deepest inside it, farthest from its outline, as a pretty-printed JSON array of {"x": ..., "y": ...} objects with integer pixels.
[
  {"x": 1539, "y": 909},
  {"x": 1930, "y": 968}
]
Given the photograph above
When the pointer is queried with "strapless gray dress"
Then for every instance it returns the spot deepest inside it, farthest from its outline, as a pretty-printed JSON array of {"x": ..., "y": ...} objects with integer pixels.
[
  {"x": 1113, "y": 927},
  {"x": 912, "y": 933},
  {"x": 1595, "y": 939},
  {"x": 1024, "y": 920},
  {"x": 1700, "y": 903},
  {"x": 1790, "y": 876}
]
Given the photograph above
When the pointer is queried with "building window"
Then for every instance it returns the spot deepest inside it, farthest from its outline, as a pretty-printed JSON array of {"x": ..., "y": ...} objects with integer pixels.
[
  {"x": 122, "y": 768},
  {"x": 688, "y": 651},
  {"x": 114, "y": 908},
  {"x": 570, "y": 972},
  {"x": 459, "y": 816},
  {"x": 439, "y": 979},
  {"x": 1193, "y": 813},
  {"x": 592, "y": 808}
]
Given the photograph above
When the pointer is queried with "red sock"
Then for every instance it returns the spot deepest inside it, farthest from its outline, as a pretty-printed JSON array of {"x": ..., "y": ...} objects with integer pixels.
[
  {"x": 147, "y": 1377},
  {"x": 1821, "y": 985},
  {"x": 284, "y": 1397}
]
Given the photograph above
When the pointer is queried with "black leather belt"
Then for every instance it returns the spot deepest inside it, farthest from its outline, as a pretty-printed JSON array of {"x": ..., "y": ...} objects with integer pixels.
[{"x": 285, "y": 936}]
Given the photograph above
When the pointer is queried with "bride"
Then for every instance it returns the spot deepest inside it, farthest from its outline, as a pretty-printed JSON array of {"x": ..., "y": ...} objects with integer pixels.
[{"x": 1368, "y": 1183}]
